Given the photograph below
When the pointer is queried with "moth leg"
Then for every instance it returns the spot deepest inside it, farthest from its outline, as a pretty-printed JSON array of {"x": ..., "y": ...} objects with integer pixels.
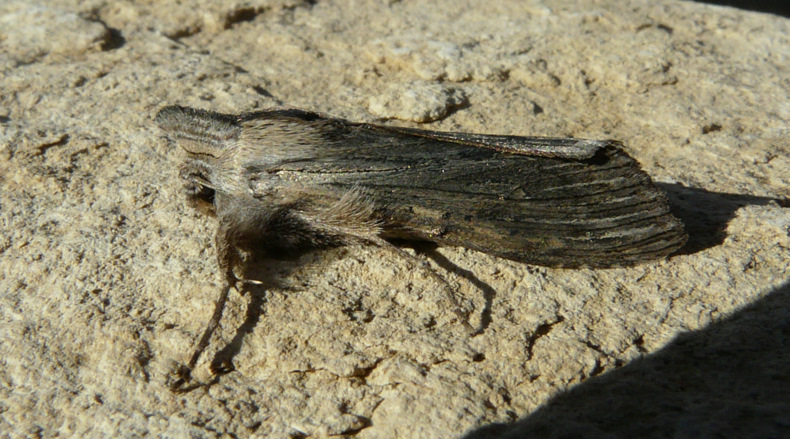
[
  {"x": 197, "y": 184},
  {"x": 181, "y": 375},
  {"x": 463, "y": 317},
  {"x": 195, "y": 173},
  {"x": 227, "y": 256}
]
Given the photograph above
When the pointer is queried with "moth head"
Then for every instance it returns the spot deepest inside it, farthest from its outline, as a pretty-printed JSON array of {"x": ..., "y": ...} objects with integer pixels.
[{"x": 204, "y": 136}]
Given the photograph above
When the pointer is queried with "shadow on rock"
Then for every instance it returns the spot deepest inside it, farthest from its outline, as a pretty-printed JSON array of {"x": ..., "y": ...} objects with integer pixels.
[
  {"x": 731, "y": 379},
  {"x": 778, "y": 7}
]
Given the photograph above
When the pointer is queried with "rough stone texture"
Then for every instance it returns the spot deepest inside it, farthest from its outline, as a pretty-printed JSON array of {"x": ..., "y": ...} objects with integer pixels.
[{"x": 107, "y": 275}]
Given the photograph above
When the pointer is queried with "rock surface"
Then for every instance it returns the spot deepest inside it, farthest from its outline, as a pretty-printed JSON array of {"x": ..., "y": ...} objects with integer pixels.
[{"x": 107, "y": 275}]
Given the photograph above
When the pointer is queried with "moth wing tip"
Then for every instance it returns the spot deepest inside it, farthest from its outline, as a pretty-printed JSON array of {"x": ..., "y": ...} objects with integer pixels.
[{"x": 585, "y": 149}]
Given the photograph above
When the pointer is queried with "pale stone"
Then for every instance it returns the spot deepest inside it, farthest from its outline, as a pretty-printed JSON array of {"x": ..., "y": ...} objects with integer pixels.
[{"x": 107, "y": 275}]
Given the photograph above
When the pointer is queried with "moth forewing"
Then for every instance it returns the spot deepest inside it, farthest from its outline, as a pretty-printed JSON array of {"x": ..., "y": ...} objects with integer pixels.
[{"x": 564, "y": 148}]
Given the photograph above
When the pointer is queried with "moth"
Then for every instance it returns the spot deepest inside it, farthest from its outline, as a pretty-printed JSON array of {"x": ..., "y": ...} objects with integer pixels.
[{"x": 284, "y": 180}]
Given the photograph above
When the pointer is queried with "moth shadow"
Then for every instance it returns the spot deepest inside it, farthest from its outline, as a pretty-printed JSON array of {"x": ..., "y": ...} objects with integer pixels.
[
  {"x": 222, "y": 362},
  {"x": 269, "y": 273},
  {"x": 729, "y": 379},
  {"x": 705, "y": 214},
  {"x": 272, "y": 273},
  {"x": 489, "y": 293}
]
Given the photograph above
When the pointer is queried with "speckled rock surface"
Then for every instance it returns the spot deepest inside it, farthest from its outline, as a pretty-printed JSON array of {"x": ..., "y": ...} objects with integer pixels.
[{"x": 107, "y": 275}]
